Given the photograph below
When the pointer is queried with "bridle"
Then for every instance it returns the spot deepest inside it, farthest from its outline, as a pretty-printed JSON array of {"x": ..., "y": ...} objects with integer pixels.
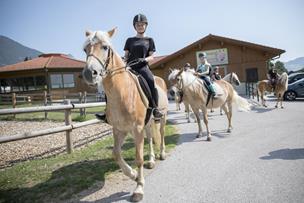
[
  {"x": 105, "y": 71},
  {"x": 230, "y": 79}
]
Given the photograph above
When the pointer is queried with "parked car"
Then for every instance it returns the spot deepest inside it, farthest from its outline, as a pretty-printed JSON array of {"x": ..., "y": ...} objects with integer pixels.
[
  {"x": 294, "y": 77},
  {"x": 295, "y": 89}
]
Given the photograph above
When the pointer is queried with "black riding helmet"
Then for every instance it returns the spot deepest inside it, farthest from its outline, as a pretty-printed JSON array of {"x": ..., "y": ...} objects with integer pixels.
[{"x": 140, "y": 18}]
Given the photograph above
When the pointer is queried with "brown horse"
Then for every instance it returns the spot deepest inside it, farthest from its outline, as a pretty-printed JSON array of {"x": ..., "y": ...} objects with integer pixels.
[
  {"x": 195, "y": 94},
  {"x": 279, "y": 90},
  {"x": 126, "y": 108}
]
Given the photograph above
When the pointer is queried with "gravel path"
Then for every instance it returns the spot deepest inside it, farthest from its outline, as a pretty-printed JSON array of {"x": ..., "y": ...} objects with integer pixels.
[{"x": 44, "y": 146}]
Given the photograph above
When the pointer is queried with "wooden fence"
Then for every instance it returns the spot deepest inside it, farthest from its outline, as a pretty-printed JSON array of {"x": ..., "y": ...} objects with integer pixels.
[
  {"x": 49, "y": 99},
  {"x": 69, "y": 126}
]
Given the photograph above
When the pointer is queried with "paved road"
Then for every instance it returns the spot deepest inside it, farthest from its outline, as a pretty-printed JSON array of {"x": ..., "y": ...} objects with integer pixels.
[{"x": 262, "y": 160}]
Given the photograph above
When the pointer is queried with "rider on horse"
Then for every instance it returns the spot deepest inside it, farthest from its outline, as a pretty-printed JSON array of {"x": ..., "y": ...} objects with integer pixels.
[
  {"x": 273, "y": 77},
  {"x": 203, "y": 70},
  {"x": 139, "y": 52},
  {"x": 215, "y": 74}
]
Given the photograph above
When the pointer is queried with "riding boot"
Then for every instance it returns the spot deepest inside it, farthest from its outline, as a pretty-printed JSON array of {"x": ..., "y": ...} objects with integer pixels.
[
  {"x": 102, "y": 117},
  {"x": 156, "y": 113},
  {"x": 211, "y": 90}
]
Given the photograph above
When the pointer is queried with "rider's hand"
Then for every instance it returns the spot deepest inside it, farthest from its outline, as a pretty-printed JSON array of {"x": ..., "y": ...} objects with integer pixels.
[{"x": 142, "y": 61}]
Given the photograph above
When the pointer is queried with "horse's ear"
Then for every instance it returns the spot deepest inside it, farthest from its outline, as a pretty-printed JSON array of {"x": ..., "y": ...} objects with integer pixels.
[
  {"x": 180, "y": 72},
  {"x": 88, "y": 32},
  {"x": 111, "y": 32}
]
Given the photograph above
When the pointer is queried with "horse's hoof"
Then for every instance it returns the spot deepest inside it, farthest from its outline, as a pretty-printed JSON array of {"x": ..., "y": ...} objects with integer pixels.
[
  {"x": 198, "y": 136},
  {"x": 189, "y": 121},
  {"x": 136, "y": 197},
  {"x": 150, "y": 164},
  {"x": 209, "y": 139},
  {"x": 276, "y": 106},
  {"x": 229, "y": 131},
  {"x": 162, "y": 156},
  {"x": 282, "y": 107}
]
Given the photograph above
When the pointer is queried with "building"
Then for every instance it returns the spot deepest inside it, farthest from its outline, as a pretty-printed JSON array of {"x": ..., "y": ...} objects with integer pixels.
[
  {"x": 55, "y": 73},
  {"x": 248, "y": 60}
]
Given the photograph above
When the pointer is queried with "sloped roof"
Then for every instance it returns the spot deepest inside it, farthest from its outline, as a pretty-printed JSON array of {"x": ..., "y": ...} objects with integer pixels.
[
  {"x": 274, "y": 51},
  {"x": 157, "y": 58},
  {"x": 49, "y": 61}
]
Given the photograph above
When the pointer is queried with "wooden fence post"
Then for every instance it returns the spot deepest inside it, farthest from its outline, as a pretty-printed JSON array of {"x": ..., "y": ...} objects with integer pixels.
[
  {"x": 14, "y": 102},
  {"x": 68, "y": 121},
  {"x": 45, "y": 104},
  {"x": 80, "y": 101},
  {"x": 84, "y": 101}
]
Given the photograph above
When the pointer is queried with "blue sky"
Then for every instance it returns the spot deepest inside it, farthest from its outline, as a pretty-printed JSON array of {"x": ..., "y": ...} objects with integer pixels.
[{"x": 59, "y": 25}]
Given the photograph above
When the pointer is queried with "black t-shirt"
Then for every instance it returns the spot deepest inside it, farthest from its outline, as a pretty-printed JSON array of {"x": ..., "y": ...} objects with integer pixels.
[{"x": 139, "y": 47}]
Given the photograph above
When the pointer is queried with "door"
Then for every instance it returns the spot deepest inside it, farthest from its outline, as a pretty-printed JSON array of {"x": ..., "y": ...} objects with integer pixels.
[{"x": 252, "y": 75}]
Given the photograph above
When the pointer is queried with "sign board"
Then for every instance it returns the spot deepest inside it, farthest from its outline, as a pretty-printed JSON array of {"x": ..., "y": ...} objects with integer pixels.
[{"x": 215, "y": 56}]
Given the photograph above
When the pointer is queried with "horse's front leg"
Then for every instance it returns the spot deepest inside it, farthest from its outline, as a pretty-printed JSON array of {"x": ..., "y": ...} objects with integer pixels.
[
  {"x": 139, "y": 147},
  {"x": 162, "y": 143},
  {"x": 198, "y": 120},
  {"x": 119, "y": 138},
  {"x": 151, "y": 162}
]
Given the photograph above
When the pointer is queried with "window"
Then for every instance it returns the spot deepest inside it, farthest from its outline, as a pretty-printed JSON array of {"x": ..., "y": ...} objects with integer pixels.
[
  {"x": 56, "y": 81},
  {"x": 68, "y": 80},
  {"x": 62, "y": 81}
]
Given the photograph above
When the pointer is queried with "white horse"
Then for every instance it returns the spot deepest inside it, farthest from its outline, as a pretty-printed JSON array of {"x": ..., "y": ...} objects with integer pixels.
[
  {"x": 195, "y": 93},
  {"x": 178, "y": 97}
]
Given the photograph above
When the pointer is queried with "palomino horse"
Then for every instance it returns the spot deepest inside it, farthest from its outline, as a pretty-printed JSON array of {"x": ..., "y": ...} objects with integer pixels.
[
  {"x": 126, "y": 109},
  {"x": 280, "y": 88},
  {"x": 195, "y": 93}
]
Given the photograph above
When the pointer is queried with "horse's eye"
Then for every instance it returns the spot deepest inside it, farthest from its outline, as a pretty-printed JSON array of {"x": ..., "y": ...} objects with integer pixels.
[{"x": 104, "y": 48}]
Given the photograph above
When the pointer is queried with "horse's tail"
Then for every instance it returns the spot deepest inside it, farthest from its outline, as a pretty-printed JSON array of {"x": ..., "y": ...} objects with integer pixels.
[{"x": 241, "y": 103}]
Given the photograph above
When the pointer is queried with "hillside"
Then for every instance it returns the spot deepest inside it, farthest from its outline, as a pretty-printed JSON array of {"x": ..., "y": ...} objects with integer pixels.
[{"x": 13, "y": 52}]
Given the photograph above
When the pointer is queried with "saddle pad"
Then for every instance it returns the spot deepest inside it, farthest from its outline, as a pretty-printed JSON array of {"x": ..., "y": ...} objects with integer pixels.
[{"x": 141, "y": 92}]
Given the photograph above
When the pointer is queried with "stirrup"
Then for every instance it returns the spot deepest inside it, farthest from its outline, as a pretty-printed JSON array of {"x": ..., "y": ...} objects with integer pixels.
[{"x": 157, "y": 114}]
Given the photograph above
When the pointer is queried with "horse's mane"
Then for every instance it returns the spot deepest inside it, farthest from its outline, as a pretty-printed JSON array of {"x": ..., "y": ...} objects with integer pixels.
[
  {"x": 188, "y": 77},
  {"x": 226, "y": 77},
  {"x": 98, "y": 36}
]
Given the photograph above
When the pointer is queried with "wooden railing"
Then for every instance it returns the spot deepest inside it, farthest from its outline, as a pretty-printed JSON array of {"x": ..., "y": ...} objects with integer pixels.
[{"x": 69, "y": 126}]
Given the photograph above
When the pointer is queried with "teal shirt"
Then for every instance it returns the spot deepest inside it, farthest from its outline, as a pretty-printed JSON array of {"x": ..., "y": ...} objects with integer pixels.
[{"x": 203, "y": 68}]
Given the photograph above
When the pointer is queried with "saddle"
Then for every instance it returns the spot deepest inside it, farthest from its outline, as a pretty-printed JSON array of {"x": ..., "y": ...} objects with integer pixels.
[
  {"x": 218, "y": 91},
  {"x": 144, "y": 91}
]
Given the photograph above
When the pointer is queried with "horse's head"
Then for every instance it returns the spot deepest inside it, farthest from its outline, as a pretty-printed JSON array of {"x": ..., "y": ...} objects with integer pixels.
[
  {"x": 235, "y": 79},
  {"x": 99, "y": 51},
  {"x": 175, "y": 77}
]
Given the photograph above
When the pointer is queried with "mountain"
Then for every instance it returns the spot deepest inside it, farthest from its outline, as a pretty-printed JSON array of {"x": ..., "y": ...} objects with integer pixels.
[
  {"x": 295, "y": 64},
  {"x": 13, "y": 52}
]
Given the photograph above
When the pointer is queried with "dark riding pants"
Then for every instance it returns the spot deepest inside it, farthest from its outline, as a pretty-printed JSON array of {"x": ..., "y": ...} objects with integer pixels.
[{"x": 148, "y": 75}]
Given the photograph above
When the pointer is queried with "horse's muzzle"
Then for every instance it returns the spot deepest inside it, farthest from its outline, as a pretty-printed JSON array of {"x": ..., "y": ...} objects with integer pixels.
[{"x": 89, "y": 76}]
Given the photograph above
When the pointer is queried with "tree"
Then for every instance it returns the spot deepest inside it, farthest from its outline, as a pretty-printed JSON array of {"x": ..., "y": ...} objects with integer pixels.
[{"x": 280, "y": 67}]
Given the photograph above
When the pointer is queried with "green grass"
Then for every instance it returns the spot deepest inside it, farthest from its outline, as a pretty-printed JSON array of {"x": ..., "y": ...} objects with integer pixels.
[
  {"x": 54, "y": 116},
  {"x": 60, "y": 177}
]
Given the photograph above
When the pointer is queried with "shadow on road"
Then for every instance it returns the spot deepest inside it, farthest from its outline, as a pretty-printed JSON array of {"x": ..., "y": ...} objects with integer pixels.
[
  {"x": 285, "y": 154},
  {"x": 262, "y": 109},
  {"x": 116, "y": 197}
]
